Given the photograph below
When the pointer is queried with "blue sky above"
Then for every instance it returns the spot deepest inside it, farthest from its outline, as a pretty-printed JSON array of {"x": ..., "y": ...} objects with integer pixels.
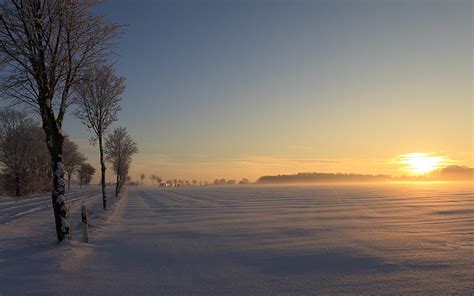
[{"x": 214, "y": 85}]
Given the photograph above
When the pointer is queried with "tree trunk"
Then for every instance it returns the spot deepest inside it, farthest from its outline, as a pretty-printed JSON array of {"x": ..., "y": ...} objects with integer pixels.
[
  {"x": 102, "y": 169},
  {"x": 55, "y": 145},
  {"x": 117, "y": 185},
  {"x": 68, "y": 181},
  {"x": 17, "y": 186}
]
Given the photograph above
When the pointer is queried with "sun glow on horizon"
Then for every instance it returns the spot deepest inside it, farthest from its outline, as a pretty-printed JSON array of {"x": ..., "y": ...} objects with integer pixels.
[{"x": 421, "y": 163}]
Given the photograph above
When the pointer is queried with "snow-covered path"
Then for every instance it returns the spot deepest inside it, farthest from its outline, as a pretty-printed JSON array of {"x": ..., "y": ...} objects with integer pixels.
[
  {"x": 280, "y": 240},
  {"x": 29, "y": 254}
]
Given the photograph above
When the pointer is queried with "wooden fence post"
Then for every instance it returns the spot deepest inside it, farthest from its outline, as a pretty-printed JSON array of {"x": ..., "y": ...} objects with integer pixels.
[{"x": 85, "y": 230}]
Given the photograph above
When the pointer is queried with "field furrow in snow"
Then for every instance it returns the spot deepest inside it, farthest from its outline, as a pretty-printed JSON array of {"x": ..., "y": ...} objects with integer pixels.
[
  {"x": 255, "y": 240},
  {"x": 19, "y": 208}
]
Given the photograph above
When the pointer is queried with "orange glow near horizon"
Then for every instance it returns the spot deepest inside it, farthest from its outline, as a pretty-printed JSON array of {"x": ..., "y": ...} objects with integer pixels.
[{"x": 421, "y": 163}]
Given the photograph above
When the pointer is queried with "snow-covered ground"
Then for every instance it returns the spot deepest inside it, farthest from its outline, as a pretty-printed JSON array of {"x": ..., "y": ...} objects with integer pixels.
[{"x": 247, "y": 240}]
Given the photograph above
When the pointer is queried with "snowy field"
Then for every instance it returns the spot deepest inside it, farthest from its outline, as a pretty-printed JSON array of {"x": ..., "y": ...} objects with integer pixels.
[{"x": 247, "y": 240}]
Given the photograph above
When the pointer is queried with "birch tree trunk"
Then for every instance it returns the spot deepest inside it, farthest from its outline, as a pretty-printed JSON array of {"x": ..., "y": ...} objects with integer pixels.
[
  {"x": 68, "y": 181},
  {"x": 117, "y": 186},
  {"x": 55, "y": 145},
  {"x": 102, "y": 170}
]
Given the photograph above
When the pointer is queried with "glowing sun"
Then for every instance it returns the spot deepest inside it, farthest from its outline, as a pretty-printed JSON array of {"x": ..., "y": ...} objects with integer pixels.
[{"x": 421, "y": 163}]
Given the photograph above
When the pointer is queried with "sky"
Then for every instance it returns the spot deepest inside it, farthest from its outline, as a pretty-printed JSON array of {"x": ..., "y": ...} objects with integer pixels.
[{"x": 234, "y": 89}]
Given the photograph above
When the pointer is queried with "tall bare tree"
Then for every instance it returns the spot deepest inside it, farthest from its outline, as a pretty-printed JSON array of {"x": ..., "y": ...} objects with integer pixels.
[
  {"x": 98, "y": 101},
  {"x": 72, "y": 159},
  {"x": 119, "y": 149},
  {"x": 45, "y": 48}
]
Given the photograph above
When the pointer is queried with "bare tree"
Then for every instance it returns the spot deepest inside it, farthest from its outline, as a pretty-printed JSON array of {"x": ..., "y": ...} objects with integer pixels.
[
  {"x": 119, "y": 149},
  {"x": 23, "y": 155},
  {"x": 98, "y": 101},
  {"x": 85, "y": 173},
  {"x": 72, "y": 159},
  {"x": 155, "y": 179},
  {"x": 45, "y": 48},
  {"x": 15, "y": 147},
  {"x": 142, "y": 177}
]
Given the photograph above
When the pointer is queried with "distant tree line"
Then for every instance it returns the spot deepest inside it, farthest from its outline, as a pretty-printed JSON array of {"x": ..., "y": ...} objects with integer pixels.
[
  {"x": 448, "y": 173},
  {"x": 223, "y": 181},
  {"x": 454, "y": 173},
  {"x": 158, "y": 181},
  {"x": 320, "y": 177}
]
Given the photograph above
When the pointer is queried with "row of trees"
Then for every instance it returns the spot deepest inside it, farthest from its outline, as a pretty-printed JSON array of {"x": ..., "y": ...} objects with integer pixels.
[
  {"x": 54, "y": 54},
  {"x": 156, "y": 180},
  {"x": 24, "y": 156},
  {"x": 223, "y": 181},
  {"x": 449, "y": 173}
]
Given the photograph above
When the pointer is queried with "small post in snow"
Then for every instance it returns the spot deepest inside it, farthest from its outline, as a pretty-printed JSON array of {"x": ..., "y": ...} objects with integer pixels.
[{"x": 85, "y": 230}]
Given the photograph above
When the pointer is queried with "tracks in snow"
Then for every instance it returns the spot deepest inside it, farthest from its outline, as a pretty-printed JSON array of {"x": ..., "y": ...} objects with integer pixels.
[{"x": 15, "y": 209}]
